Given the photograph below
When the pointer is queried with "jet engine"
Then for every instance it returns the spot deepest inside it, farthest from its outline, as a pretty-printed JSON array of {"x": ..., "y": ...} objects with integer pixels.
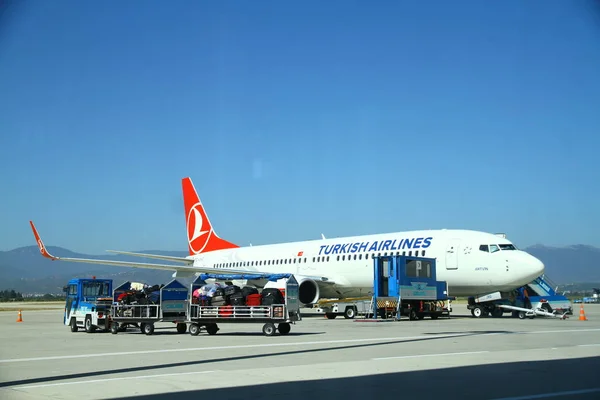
[{"x": 308, "y": 291}]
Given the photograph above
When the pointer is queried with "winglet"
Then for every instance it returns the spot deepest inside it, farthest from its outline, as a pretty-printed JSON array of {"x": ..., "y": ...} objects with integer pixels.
[{"x": 40, "y": 244}]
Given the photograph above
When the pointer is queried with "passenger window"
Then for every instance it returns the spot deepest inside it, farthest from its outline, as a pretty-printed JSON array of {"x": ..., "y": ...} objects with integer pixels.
[{"x": 493, "y": 248}]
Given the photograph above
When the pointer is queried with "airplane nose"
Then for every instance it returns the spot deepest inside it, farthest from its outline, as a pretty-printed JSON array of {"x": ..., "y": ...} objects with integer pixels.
[{"x": 537, "y": 266}]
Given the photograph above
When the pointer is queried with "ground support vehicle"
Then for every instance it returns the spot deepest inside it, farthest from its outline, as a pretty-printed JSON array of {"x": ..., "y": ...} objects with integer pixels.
[
  {"x": 172, "y": 306},
  {"x": 406, "y": 285},
  {"x": 531, "y": 313},
  {"x": 538, "y": 291},
  {"x": 283, "y": 313},
  {"x": 88, "y": 303}
]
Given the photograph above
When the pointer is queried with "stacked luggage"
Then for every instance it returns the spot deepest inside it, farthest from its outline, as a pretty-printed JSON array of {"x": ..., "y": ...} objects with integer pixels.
[
  {"x": 141, "y": 294},
  {"x": 218, "y": 294}
]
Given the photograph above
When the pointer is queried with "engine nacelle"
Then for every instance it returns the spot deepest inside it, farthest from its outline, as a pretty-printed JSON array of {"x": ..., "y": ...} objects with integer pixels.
[{"x": 308, "y": 291}]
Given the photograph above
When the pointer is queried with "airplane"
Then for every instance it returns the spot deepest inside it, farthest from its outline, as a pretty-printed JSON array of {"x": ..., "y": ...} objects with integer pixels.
[{"x": 471, "y": 262}]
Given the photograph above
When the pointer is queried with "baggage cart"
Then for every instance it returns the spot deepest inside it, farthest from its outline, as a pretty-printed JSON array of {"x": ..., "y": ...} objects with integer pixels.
[
  {"x": 172, "y": 306},
  {"x": 209, "y": 316}
]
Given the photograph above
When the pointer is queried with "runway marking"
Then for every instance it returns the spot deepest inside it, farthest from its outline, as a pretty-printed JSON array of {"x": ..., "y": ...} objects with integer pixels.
[
  {"x": 111, "y": 379},
  {"x": 588, "y": 345},
  {"x": 154, "y": 351},
  {"x": 554, "y": 394},
  {"x": 245, "y": 346},
  {"x": 430, "y": 355}
]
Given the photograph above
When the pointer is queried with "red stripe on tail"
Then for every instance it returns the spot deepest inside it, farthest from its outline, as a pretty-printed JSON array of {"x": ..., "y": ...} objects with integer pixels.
[{"x": 200, "y": 233}]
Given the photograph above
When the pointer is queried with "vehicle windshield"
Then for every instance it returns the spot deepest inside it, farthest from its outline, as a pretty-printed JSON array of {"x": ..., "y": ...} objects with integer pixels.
[
  {"x": 507, "y": 247},
  {"x": 95, "y": 289}
]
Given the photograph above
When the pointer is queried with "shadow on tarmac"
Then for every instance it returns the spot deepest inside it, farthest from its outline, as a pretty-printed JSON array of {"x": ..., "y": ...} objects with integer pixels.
[
  {"x": 262, "y": 359},
  {"x": 515, "y": 381}
]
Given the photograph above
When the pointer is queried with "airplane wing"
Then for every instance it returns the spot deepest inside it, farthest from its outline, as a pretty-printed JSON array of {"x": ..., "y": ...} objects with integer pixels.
[
  {"x": 45, "y": 253},
  {"x": 184, "y": 260},
  {"x": 177, "y": 268}
]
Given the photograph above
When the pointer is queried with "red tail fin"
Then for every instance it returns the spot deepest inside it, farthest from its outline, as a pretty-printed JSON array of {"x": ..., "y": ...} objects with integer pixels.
[{"x": 200, "y": 233}]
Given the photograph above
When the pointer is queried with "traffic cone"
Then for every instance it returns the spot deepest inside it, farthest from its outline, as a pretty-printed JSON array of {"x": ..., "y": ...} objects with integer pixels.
[
  {"x": 20, "y": 317},
  {"x": 582, "y": 316}
]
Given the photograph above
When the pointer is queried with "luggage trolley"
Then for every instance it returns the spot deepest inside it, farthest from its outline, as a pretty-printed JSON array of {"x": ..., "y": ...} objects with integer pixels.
[
  {"x": 172, "y": 306},
  {"x": 208, "y": 316}
]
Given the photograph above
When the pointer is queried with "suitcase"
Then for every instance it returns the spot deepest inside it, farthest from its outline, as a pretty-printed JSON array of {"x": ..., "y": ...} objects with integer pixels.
[
  {"x": 248, "y": 290},
  {"x": 253, "y": 299},
  {"x": 272, "y": 296},
  {"x": 237, "y": 299},
  {"x": 217, "y": 301},
  {"x": 229, "y": 290}
]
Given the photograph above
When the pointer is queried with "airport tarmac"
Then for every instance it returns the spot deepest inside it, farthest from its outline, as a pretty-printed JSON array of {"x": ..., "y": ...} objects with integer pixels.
[{"x": 457, "y": 358}]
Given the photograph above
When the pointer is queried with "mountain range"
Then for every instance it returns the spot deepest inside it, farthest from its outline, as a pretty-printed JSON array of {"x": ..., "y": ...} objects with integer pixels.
[{"x": 25, "y": 270}]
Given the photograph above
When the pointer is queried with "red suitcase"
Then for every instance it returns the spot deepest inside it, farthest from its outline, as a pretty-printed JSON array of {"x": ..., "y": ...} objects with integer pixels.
[{"x": 253, "y": 300}]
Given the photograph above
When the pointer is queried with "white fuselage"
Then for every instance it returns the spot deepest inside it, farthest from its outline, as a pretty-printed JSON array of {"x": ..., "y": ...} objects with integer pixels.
[{"x": 471, "y": 262}]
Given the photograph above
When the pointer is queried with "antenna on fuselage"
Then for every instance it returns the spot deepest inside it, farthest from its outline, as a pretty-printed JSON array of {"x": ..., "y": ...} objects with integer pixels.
[{"x": 322, "y": 236}]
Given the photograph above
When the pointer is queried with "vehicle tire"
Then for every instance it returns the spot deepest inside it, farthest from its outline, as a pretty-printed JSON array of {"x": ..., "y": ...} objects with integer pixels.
[
  {"x": 212, "y": 329},
  {"x": 284, "y": 328},
  {"x": 434, "y": 315},
  {"x": 114, "y": 328},
  {"x": 194, "y": 329},
  {"x": 497, "y": 312},
  {"x": 73, "y": 325},
  {"x": 148, "y": 329},
  {"x": 350, "y": 313},
  {"x": 477, "y": 312},
  {"x": 522, "y": 315},
  {"x": 269, "y": 329},
  {"x": 142, "y": 327},
  {"x": 181, "y": 327},
  {"x": 412, "y": 315},
  {"x": 330, "y": 315},
  {"x": 89, "y": 328}
]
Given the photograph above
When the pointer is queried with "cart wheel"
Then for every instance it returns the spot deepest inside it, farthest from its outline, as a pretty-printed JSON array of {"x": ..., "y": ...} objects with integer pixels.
[
  {"x": 269, "y": 329},
  {"x": 142, "y": 327},
  {"x": 212, "y": 329},
  {"x": 181, "y": 327},
  {"x": 114, "y": 328},
  {"x": 284, "y": 328},
  {"x": 89, "y": 328},
  {"x": 148, "y": 329},
  {"x": 194, "y": 329},
  {"x": 522, "y": 315}
]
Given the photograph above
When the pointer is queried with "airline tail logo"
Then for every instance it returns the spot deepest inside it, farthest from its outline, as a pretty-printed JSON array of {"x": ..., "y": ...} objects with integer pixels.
[{"x": 200, "y": 233}]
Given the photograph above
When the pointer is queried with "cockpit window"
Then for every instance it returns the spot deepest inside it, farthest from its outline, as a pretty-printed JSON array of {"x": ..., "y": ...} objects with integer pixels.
[
  {"x": 494, "y": 248},
  {"x": 507, "y": 247},
  {"x": 484, "y": 247}
]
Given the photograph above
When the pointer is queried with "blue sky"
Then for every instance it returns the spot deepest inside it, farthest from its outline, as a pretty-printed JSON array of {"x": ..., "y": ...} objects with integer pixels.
[{"x": 297, "y": 118}]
